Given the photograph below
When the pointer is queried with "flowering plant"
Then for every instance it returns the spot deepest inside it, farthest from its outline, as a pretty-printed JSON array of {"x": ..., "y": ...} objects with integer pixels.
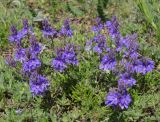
[
  {"x": 29, "y": 56},
  {"x": 119, "y": 55}
]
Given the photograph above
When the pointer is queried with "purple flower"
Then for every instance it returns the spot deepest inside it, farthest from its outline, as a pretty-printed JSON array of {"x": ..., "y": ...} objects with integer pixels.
[
  {"x": 66, "y": 30},
  {"x": 48, "y": 31},
  {"x": 99, "y": 38},
  {"x": 69, "y": 55},
  {"x": 25, "y": 29},
  {"x": 128, "y": 66},
  {"x": 126, "y": 80},
  {"x": 108, "y": 62},
  {"x": 131, "y": 54},
  {"x": 59, "y": 64},
  {"x": 130, "y": 42},
  {"x": 124, "y": 101},
  {"x": 116, "y": 98},
  {"x": 112, "y": 98},
  {"x": 98, "y": 27},
  {"x": 143, "y": 65},
  {"x": 25, "y": 24},
  {"x": 119, "y": 43},
  {"x": 38, "y": 84},
  {"x": 20, "y": 55},
  {"x": 15, "y": 36},
  {"x": 97, "y": 49},
  {"x": 98, "y": 43},
  {"x": 31, "y": 65},
  {"x": 35, "y": 47},
  {"x": 113, "y": 27},
  {"x": 65, "y": 57}
]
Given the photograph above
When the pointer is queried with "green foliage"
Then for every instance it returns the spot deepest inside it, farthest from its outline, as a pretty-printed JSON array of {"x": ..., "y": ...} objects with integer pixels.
[
  {"x": 89, "y": 99},
  {"x": 10, "y": 12},
  {"x": 145, "y": 108},
  {"x": 100, "y": 8},
  {"x": 79, "y": 93},
  {"x": 150, "y": 9},
  {"x": 74, "y": 10},
  {"x": 81, "y": 7}
]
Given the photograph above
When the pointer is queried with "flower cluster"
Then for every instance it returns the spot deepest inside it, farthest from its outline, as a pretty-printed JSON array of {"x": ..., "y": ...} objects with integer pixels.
[
  {"x": 28, "y": 57},
  {"x": 16, "y": 36},
  {"x": 108, "y": 62},
  {"x": 38, "y": 84},
  {"x": 49, "y": 31},
  {"x": 98, "y": 25},
  {"x": 121, "y": 56},
  {"x": 99, "y": 43},
  {"x": 66, "y": 30},
  {"x": 118, "y": 98},
  {"x": 65, "y": 57}
]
